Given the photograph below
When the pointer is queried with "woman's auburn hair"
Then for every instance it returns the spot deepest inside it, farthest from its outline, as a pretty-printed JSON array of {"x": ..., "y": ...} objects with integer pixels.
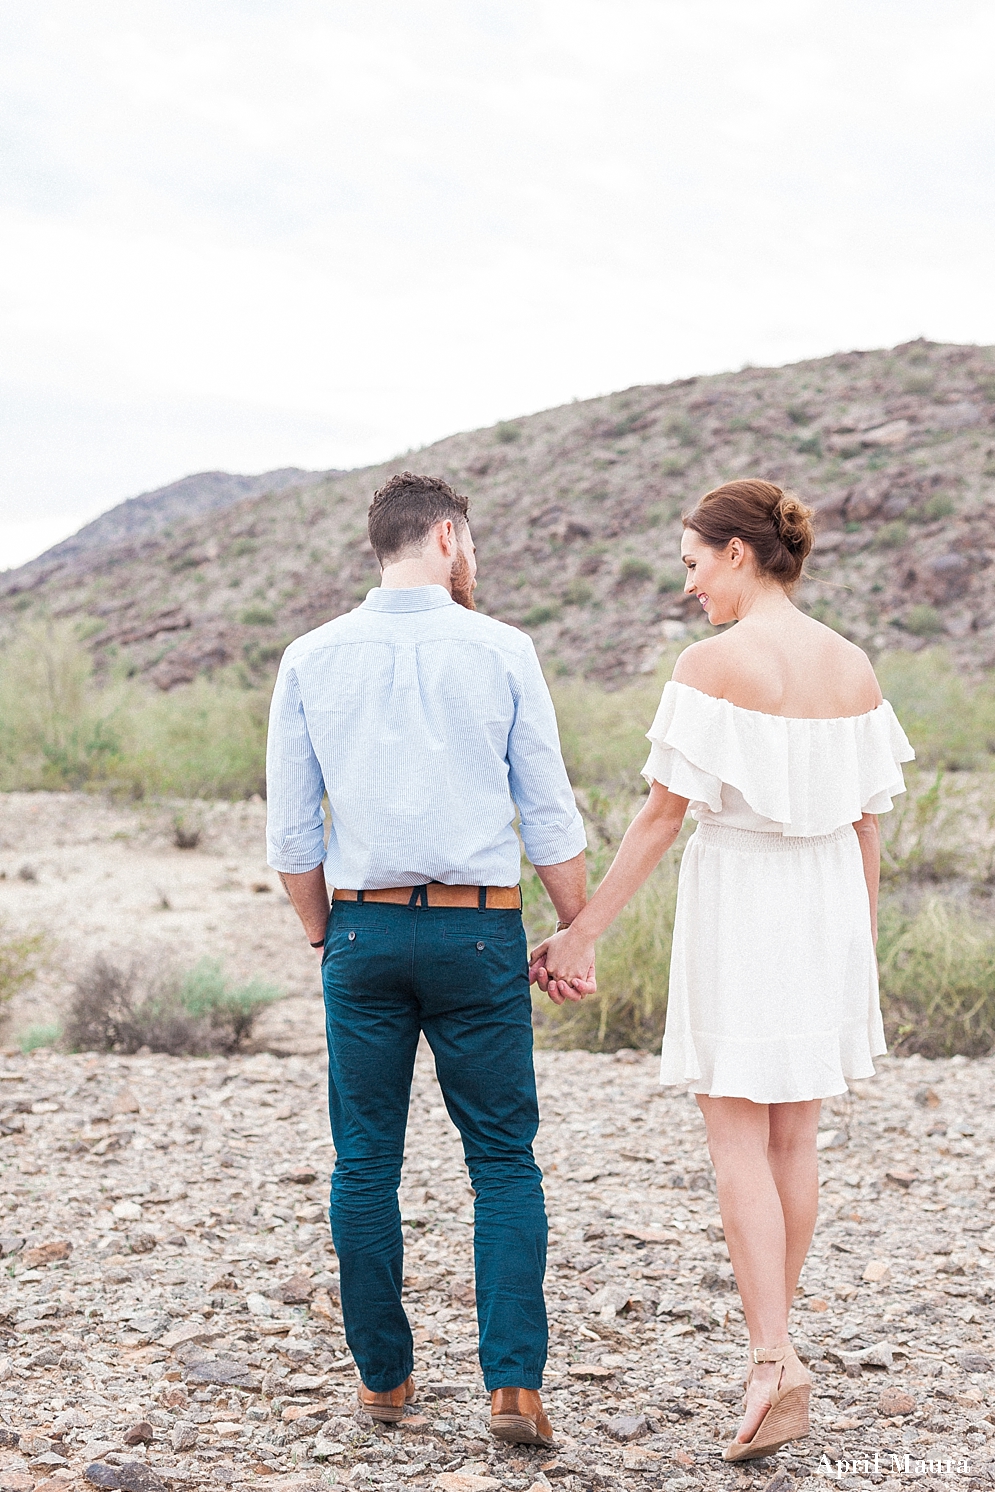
[{"x": 776, "y": 525}]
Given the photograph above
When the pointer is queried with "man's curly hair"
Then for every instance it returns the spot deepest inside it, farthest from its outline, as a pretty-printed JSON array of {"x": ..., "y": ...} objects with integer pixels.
[{"x": 404, "y": 510}]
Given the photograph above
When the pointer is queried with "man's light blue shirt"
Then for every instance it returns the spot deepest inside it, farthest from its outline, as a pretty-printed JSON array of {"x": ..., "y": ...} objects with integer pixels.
[{"x": 426, "y": 724}]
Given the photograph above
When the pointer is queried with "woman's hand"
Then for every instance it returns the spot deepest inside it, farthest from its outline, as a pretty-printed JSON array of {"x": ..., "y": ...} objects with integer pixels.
[{"x": 563, "y": 967}]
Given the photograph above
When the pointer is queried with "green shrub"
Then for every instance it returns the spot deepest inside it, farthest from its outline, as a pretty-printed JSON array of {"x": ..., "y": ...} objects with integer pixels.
[
  {"x": 536, "y": 616},
  {"x": 681, "y": 429},
  {"x": 506, "y": 432},
  {"x": 61, "y": 728},
  {"x": 117, "y": 1009},
  {"x": 39, "y": 1036},
  {"x": 204, "y": 740},
  {"x": 258, "y": 616},
  {"x": 577, "y": 593},
  {"x": 625, "y": 425},
  {"x": 940, "y": 506},
  {"x": 635, "y": 570},
  {"x": 937, "y": 979},
  {"x": 892, "y": 535},
  {"x": 260, "y": 655},
  {"x": 923, "y": 621},
  {"x": 53, "y": 725},
  {"x": 206, "y": 995},
  {"x": 19, "y": 958}
]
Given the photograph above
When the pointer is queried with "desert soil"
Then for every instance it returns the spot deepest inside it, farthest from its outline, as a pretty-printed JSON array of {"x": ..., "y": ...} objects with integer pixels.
[
  {"x": 170, "y": 1305},
  {"x": 93, "y": 876}
]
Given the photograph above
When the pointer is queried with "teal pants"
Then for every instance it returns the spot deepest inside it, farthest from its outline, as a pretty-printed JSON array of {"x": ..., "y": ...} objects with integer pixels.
[{"x": 461, "y": 976}]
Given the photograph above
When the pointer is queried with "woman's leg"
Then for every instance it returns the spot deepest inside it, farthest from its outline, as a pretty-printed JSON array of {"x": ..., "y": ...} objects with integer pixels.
[
  {"x": 794, "y": 1165},
  {"x": 764, "y": 1220}
]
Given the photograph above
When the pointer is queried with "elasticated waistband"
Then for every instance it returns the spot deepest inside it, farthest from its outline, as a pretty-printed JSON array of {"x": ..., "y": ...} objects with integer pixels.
[{"x": 753, "y": 841}]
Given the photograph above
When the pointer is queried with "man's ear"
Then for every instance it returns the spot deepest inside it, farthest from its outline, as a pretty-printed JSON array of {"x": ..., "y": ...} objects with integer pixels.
[{"x": 447, "y": 537}]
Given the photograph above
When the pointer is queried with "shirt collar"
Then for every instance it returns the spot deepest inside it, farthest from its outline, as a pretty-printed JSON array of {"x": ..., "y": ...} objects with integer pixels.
[{"x": 409, "y": 598}]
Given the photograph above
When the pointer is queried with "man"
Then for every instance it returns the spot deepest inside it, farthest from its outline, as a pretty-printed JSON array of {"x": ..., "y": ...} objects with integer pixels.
[{"x": 426, "y": 724}]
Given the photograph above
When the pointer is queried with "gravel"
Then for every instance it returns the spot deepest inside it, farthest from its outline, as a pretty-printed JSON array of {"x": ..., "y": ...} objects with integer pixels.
[{"x": 170, "y": 1306}]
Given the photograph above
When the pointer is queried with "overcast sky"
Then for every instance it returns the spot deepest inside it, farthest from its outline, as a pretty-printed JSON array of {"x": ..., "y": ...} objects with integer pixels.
[{"x": 244, "y": 234}]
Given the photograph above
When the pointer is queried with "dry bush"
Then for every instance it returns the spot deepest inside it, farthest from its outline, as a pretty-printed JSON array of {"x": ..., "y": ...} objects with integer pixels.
[
  {"x": 185, "y": 836},
  {"x": 116, "y": 1009}
]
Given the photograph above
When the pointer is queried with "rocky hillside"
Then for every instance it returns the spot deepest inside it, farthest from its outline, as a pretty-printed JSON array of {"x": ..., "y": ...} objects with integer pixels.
[{"x": 576, "y": 517}]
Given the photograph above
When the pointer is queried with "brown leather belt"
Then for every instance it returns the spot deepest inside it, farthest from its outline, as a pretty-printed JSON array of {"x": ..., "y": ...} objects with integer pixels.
[{"x": 435, "y": 894}]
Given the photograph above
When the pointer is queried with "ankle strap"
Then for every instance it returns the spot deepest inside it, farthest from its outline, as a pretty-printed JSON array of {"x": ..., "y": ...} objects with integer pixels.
[{"x": 771, "y": 1354}]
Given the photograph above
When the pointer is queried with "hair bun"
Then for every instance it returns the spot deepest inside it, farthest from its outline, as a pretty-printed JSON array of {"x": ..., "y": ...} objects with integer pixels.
[
  {"x": 775, "y": 524},
  {"x": 793, "y": 521}
]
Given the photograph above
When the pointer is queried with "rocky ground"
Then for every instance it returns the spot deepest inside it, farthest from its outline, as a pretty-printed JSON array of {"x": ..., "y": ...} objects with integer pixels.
[{"x": 171, "y": 1314}]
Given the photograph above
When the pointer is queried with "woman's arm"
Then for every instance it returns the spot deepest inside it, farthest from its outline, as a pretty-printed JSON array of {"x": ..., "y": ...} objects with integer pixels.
[
  {"x": 869, "y": 839},
  {"x": 569, "y": 955}
]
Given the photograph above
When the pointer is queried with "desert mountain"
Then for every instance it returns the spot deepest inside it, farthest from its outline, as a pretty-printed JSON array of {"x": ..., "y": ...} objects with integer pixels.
[
  {"x": 151, "y": 512},
  {"x": 575, "y": 513}
]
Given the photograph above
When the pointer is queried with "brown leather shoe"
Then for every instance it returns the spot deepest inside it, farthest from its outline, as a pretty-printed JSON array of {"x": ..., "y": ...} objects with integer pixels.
[
  {"x": 517, "y": 1416},
  {"x": 388, "y": 1407}
]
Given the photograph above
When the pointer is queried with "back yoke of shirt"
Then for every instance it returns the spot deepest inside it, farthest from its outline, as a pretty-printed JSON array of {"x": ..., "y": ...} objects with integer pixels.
[{"x": 426, "y": 724}]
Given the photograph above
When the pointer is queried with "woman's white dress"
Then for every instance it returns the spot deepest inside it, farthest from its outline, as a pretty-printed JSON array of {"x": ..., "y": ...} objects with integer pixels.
[{"x": 773, "y": 978}]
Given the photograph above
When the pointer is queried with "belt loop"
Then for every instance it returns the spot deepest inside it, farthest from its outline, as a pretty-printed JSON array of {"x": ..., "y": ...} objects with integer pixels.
[
  {"x": 418, "y": 897},
  {"x": 482, "y": 898},
  {"x": 359, "y": 896}
]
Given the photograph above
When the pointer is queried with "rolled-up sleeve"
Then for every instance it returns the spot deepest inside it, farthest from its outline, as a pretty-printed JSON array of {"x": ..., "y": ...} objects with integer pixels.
[
  {"x": 295, "y": 837},
  {"x": 551, "y": 825}
]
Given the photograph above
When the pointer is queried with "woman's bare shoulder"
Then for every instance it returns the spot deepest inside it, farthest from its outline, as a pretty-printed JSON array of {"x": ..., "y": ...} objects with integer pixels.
[
  {"x": 807, "y": 669},
  {"x": 852, "y": 669},
  {"x": 704, "y": 665}
]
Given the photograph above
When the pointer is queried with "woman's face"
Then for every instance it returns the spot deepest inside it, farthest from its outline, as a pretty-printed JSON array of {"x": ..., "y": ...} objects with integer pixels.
[{"x": 715, "y": 576}]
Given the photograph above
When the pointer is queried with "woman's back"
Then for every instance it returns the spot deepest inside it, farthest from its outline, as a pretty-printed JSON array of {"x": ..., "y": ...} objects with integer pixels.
[{"x": 783, "y": 663}]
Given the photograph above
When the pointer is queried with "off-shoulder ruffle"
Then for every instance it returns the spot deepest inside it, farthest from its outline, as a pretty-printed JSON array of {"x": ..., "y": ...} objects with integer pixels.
[{"x": 809, "y": 776}]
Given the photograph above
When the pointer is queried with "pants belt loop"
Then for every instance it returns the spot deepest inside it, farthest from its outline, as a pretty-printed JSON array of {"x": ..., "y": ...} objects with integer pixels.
[
  {"x": 482, "y": 898},
  {"x": 418, "y": 897},
  {"x": 359, "y": 896}
]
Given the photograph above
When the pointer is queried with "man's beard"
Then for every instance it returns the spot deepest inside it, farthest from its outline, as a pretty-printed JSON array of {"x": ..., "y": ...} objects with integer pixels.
[{"x": 462, "y": 582}]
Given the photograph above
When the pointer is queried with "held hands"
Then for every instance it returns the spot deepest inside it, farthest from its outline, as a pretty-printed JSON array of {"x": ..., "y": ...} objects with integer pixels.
[{"x": 563, "y": 967}]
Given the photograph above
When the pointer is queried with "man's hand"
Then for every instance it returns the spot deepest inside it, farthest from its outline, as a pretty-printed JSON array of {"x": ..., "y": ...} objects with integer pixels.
[
  {"x": 309, "y": 898},
  {"x": 566, "y": 887},
  {"x": 563, "y": 967}
]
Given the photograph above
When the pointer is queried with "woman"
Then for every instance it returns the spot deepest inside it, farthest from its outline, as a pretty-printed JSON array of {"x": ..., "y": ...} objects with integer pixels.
[{"x": 776, "y": 734}]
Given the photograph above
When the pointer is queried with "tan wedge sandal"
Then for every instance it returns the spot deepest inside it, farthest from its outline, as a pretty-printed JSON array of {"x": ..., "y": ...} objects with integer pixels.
[{"x": 787, "y": 1417}]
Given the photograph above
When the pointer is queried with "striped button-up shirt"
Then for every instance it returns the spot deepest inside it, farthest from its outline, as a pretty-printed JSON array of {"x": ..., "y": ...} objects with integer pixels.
[{"x": 426, "y": 724}]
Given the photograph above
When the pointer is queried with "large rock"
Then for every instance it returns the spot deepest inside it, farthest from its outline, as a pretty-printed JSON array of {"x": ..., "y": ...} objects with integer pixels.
[{"x": 47, "y": 1253}]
